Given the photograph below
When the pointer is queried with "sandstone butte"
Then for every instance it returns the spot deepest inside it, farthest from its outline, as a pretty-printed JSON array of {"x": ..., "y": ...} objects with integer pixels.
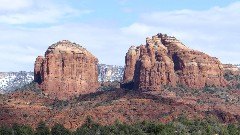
[
  {"x": 164, "y": 60},
  {"x": 67, "y": 69}
]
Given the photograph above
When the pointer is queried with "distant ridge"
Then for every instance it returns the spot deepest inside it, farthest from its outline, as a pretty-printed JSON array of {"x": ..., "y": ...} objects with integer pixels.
[{"x": 10, "y": 81}]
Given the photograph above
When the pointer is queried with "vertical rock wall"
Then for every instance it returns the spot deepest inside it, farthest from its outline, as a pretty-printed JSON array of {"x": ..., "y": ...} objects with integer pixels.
[
  {"x": 164, "y": 60},
  {"x": 66, "y": 70}
]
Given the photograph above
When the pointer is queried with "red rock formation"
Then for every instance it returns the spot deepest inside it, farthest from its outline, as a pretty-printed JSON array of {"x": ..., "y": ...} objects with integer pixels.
[
  {"x": 67, "y": 70},
  {"x": 166, "y": 61},
  {"x": 130, "y": 61},
  {"x": 230, "y": 67}
]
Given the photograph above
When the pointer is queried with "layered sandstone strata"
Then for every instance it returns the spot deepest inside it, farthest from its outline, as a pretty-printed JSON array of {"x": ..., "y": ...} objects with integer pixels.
[
  {"x": 164, "y": 60},
  {"x": 230, "y": 67},
  {"x": 67, "y": 69}
]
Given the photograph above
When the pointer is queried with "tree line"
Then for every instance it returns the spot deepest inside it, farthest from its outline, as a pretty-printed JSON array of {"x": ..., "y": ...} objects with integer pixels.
[{"x": 180, "y": 126}]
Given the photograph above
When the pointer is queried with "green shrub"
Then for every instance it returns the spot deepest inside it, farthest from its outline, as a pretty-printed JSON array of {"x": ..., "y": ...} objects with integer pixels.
[
  {"x": 22, "y": 130},
  {"x": 180, "y": 126},
  {"x": 5, "y": 131},
  {"x": 42, "y": 129},
  {"x": 90, "y": 128},
  {"x": 59, "y": 129},
  {"x": 232, "y": 129}
]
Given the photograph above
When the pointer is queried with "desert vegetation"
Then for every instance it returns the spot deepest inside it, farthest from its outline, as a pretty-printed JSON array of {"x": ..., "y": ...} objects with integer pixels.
[{"x": 180, "y": 126}]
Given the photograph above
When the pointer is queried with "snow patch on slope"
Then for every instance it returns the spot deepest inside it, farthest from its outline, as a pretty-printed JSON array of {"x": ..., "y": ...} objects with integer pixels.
[{"x": 10, "y": 81}]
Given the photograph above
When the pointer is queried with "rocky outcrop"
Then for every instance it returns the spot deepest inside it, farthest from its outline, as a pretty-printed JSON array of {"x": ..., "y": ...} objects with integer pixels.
[
  {"x": 130, "y": 62},
  {"x": 67, "y": 69},
  {"x": 11, "y": 81},
  {"x": 230, "y": 67},
  {"x": 164, "y": 60}
]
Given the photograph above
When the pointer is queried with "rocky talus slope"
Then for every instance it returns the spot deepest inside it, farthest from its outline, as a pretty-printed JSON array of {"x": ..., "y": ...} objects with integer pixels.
[
  {"x": 165, "y": 61},
  {"x": 105, "y": 107}
]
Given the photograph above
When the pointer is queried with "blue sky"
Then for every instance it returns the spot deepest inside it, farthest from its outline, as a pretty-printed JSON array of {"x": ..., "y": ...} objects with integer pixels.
[{"x": 107, "y": 28}]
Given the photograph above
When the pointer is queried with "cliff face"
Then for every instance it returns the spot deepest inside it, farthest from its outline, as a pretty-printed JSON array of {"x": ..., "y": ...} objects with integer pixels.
[
  {"x": 164, "y": 60},
  {"x": 66, "y": 70},
  {"x": 11, "y": 81},
  {"x": 130, "y": 62}
]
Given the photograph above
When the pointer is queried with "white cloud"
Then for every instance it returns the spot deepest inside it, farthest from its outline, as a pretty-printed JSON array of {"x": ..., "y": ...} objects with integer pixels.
[
  {"x": 137, "y": 29},
  {"x": 214, "y": 31},
  {"x": 107, "y": 44},
  {"x": 38, "y": 12},
  {"x": 14, "y": 5},
  {"x": 37, "y": 17}
]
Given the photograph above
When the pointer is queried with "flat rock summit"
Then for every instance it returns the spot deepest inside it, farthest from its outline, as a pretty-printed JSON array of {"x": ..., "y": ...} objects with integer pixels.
[{"x": 67, "y": 69}]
